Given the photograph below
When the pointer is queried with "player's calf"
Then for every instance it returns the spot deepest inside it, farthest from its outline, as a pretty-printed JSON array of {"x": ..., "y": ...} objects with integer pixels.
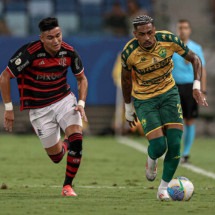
[
  {"x": 172, "y": 157},
  {"x": 58, "y": 157},
  {"x": 157, "y": 147},
  {"x": 73, "y": 157}
]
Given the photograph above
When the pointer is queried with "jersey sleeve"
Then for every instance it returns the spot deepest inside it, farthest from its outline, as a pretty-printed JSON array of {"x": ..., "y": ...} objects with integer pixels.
[
  {"x": 19, "y": 61},
  {"x": 76, "y": 66},
  {"x": 125, "y": 62},
  {"x": 179, "y": 47}
]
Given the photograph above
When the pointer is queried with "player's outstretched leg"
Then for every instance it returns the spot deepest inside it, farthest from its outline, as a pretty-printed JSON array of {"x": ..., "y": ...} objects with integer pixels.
[
  {"x": 157, "y": 147},
  {"x": 171, "y": 161},
  {"x": 73, "y": 163}
]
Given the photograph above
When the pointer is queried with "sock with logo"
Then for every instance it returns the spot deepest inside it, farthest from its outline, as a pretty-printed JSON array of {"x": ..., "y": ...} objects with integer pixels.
[
  {"x": 73, "y": 157},
  {"x": 172, "y": 157}
]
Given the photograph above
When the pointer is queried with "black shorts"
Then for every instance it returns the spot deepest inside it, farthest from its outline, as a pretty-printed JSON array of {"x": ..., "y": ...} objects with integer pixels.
[{"x": 188, "y": 103}]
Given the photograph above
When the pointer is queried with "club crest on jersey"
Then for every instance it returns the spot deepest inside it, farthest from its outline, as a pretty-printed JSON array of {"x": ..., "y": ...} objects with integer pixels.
[
  {"x": 162, "y": 52},
  {"x": 62, "y": 62}
]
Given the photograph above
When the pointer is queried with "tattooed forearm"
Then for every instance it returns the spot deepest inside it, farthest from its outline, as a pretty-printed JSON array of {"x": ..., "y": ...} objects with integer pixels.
[
  {"x": 126, "y": 85},
  {"x": 196, "y": 63}
]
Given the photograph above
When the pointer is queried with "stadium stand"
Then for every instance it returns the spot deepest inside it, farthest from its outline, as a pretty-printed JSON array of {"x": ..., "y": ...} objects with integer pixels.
[{"x": 85, "y": 15}]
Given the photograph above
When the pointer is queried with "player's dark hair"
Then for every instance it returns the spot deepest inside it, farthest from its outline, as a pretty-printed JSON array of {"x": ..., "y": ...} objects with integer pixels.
[
  {"x": 142, "y": 20},
  {"x": 48, "y": 24},
  {"x": 184, "y": 21}
]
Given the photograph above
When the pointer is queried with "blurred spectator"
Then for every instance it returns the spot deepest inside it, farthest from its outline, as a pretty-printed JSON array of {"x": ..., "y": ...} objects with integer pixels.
[
  {"x": 4, "y": 30},
  {"x": 134, "y": 10},
  {"x": 116, "y": 21}
]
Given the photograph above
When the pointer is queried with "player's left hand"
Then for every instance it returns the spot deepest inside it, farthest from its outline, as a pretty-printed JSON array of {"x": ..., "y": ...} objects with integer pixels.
[
  {"x": 200, "y": 97},
  {"x": 134, "y": 122},
  {"x": 82, "y": 112},
  {"x": 8, "y": 120},
  {"x": 130, "y": 114}
]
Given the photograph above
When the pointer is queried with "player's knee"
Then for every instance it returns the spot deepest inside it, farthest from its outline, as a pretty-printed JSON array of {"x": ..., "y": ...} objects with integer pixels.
[
  {"x": 174, "y": 142},
  {"x": 157, "y": 147},
  {"x": 75, "y": 144}
]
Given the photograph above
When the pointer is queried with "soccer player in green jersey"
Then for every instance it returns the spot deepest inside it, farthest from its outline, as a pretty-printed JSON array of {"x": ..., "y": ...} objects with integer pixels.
[{"x": 147, "y": 77}]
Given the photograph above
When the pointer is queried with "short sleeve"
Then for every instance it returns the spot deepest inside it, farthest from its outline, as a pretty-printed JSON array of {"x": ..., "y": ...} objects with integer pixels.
[
  {"x": 19, "y": 61},
  {"x": 125, "y": 62},
  {"x": 76, "y": 66},
  {"x": 179, "y": 47}
]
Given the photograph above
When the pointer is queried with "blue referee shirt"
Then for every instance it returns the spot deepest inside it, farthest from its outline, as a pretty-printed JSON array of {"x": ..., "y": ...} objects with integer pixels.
[{"x": 183, "y": 70}]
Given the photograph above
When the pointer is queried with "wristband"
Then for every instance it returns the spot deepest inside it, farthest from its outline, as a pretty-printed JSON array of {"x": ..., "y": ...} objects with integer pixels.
[
  {"x": 8, "y": 106},
  {"x": 81, "y": 103},
  {"x": 129, "y": 107},
  {"x": 196, "y": 85}
]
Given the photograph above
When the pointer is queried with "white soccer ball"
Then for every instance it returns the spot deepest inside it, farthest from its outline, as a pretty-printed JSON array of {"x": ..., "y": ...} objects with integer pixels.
[{"x": 180, "y": 189}]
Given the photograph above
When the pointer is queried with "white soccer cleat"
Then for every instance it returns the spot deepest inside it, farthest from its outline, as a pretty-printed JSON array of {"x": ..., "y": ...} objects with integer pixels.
[
  {"x": 162, "y": 194},
  {"x": 151, "y": 169}
]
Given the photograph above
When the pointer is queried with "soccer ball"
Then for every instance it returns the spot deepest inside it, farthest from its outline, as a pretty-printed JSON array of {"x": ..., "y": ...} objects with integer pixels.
[{"x": 180, "y": 189}]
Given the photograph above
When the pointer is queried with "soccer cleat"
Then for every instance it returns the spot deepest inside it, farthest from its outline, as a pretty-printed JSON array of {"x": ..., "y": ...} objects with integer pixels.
[
  {"x": 68, "y": 191},
  {"x": 162, "y": 194},
  {"x": 151, "y": 169},
  {"x": 185, "y": 159}
]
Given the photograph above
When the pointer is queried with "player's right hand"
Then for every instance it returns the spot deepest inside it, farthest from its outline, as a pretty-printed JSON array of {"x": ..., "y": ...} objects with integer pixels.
[
  {"x": 82, "y": 112},
  {"x": 8, "y": 120},
  {"x": 200, "y": 97},
  {"x": 130, "y": 115}
]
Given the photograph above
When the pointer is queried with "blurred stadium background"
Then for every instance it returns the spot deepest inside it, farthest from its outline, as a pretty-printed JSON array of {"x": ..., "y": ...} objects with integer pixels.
[{"x": 99, "y": 29}]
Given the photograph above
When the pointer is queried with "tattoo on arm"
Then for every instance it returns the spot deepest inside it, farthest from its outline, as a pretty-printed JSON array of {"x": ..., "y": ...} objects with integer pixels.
[
  {"x": 196, "y": 63},
  {"x": 126, "y": 85}
]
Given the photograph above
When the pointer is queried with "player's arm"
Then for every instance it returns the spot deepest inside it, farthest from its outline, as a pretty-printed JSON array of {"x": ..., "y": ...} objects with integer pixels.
[
  {"x": 82, "y": 94},
  {"x": 5, "y": 93},
  {"x": 78, "y": 71},
  {"x": 126, "y": 82},
  {"x": 204, "y": 81},
  {"x": 19, "y": 61},
  {"x": 197, "y": 67}
]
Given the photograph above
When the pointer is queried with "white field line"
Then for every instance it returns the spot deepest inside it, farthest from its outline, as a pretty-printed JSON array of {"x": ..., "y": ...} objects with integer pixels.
[
  {"x": 141, "y": 148},
  {"x": 83, "y": 186}
]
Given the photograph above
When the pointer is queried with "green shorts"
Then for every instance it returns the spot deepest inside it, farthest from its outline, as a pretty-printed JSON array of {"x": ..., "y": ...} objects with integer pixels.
[{"x": 159, "y": 111}]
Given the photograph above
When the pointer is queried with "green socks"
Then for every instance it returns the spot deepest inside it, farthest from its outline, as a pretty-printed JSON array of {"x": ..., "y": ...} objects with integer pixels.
[{"x": 172, "y": 157}]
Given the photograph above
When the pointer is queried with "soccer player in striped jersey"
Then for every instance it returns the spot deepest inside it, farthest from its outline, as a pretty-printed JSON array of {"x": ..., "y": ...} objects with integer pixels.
[
  {"x": 40, "y": 68},
  {"x": 155, "y": 96}
]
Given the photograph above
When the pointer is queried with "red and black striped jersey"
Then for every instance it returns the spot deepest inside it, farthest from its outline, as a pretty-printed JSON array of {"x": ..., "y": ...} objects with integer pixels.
[{"x": 41, "y": 77}]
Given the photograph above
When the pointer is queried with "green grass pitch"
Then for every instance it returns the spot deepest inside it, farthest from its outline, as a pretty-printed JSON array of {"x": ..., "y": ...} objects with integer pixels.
[{"x": 111, "y": 180}]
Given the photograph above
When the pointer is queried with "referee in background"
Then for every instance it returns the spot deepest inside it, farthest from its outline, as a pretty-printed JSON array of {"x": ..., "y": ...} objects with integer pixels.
[{"x": 184, "y": 77}]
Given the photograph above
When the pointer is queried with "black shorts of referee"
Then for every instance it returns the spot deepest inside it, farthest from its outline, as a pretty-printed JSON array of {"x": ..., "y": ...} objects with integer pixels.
[{"x": 188, "y": 103}]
